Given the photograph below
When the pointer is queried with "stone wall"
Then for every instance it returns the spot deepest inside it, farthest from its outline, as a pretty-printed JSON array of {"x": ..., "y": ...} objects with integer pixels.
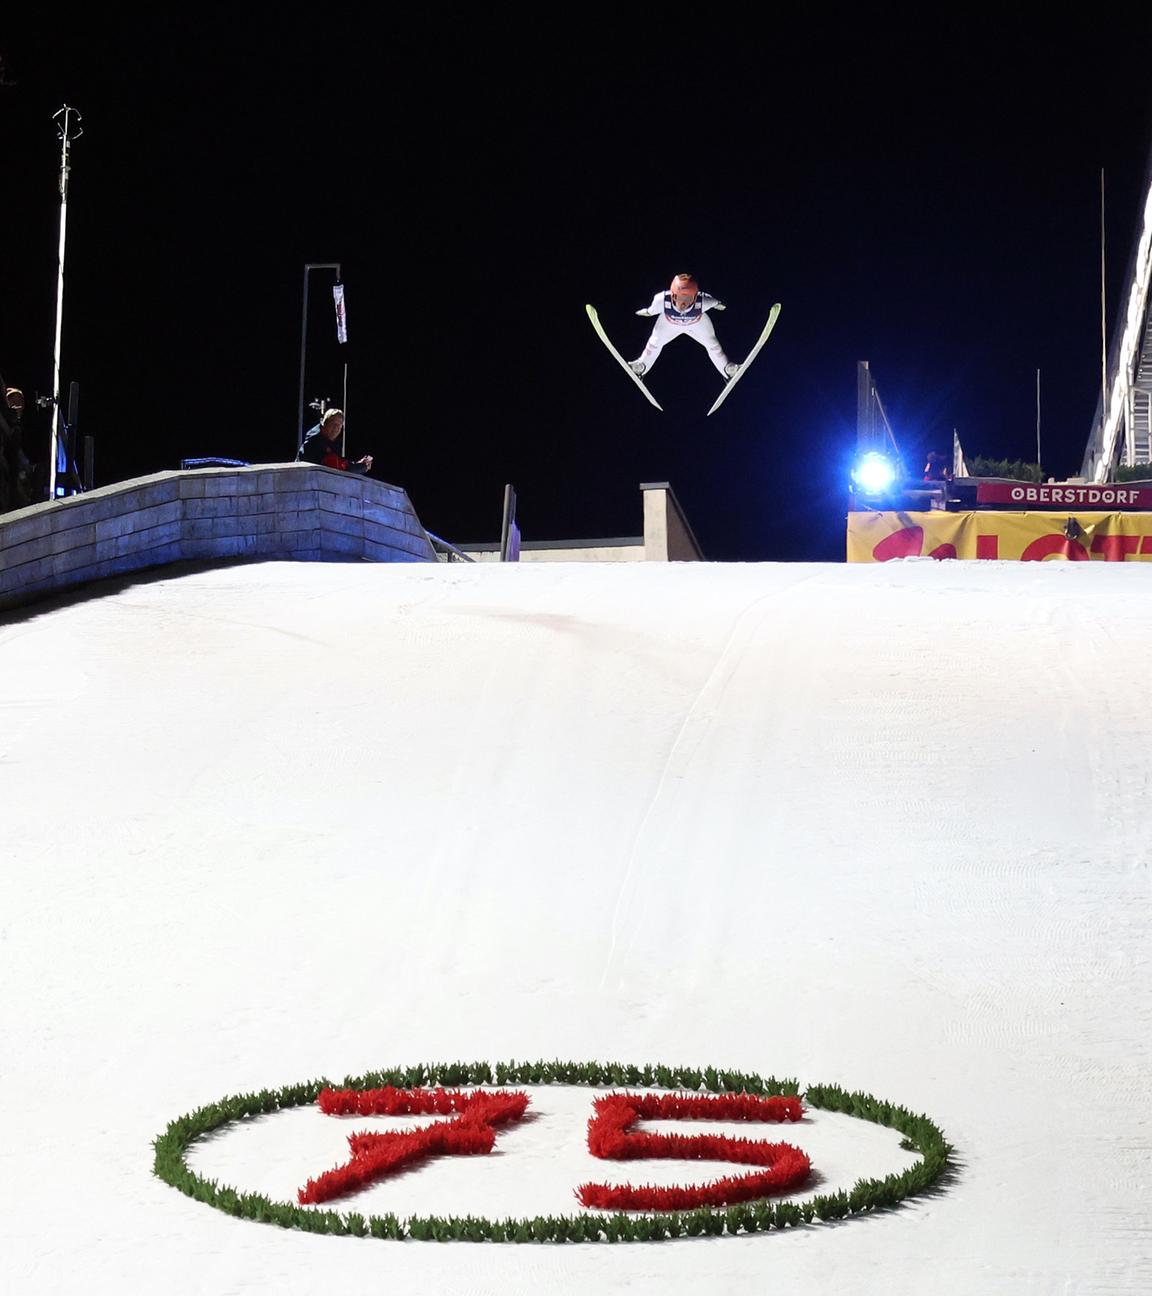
[
  {"x": 271, "y": 511},
  {"x": 667, "y": 535}
]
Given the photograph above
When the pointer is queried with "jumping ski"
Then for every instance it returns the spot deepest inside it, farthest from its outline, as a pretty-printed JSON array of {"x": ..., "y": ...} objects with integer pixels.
[
  {"x": 592, "y": 315},
  {"x": 773, "y": 315}
]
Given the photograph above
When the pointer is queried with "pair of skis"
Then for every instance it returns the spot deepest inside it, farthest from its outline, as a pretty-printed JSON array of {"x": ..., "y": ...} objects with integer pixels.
[{"x": 773, "y": 315}]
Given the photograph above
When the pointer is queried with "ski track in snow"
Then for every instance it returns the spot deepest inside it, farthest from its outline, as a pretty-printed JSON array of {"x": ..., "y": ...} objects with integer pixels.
[{"x": 886, "y": 827}]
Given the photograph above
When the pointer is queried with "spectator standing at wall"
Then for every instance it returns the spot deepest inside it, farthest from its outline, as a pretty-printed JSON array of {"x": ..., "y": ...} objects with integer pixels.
[
  {"x": 16, "y": 476},
  {"x": 320, "y": 445}
]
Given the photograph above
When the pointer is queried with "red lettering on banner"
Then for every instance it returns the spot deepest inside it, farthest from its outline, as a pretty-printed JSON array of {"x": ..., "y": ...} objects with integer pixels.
[
  {"x": 1050, "y": 545},
  {"x": 377, "y": 1155},
  {"x": 943, "y": 551},
  {"x": 908, "y": 543},
  {"x": 988, "y": 546},
  {"x": 1115, "y": 548},
  {"x": 1146, "y": 545},
  {"x": 609, "y": 1136}
]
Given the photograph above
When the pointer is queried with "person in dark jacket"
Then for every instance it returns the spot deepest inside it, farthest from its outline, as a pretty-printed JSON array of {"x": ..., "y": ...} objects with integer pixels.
[
  {"x": 937, "y": 468},
  {"x": 321, "y": 445},
  {"x": 16, "y": 472}
]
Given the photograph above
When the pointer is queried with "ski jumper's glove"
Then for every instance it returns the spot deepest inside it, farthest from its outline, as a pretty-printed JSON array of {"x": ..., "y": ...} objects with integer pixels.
[{"x": 718, "y": 305}]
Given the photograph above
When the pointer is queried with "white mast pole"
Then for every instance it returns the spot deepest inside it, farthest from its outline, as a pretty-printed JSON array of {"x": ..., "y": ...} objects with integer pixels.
[
  {"x": 1103, "y": 318},
  {"x": 66, "y": 136},
  {"x": 1038, "y": 459}
]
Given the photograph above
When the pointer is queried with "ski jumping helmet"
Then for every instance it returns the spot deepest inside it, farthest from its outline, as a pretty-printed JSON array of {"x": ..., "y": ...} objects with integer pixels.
[{"x": 684, "y": 289}]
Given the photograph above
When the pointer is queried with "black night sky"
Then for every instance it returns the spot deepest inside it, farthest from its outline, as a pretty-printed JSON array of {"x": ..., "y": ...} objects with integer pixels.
[{"x": 925, "y": 197}]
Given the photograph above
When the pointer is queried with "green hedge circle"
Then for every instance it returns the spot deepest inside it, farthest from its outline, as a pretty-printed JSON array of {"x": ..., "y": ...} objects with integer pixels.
[{"x": 868, "y": 1195}]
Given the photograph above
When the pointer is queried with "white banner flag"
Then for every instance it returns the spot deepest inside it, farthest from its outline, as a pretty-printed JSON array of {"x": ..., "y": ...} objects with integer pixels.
[{"x": 341, "y": 319}]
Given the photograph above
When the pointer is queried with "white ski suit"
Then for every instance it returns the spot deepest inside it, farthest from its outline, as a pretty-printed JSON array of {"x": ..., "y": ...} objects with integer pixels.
[{"x": 692, "y": 323}]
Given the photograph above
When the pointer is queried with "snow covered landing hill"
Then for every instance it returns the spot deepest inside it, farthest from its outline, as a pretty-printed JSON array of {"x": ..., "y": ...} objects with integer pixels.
[{"x": 880, "y": 826}]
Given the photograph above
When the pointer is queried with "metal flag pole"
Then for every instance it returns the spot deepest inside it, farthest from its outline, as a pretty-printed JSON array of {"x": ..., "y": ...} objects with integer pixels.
[
  {"x": 65, "y": 131},
  {"x": 1103, "y": 317},
  {"x": 309, "y": 266},
  {"x": 1038, "y": 459}
]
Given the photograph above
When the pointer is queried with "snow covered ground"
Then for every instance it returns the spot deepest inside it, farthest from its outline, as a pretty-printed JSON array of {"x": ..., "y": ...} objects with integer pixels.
[{"x": 885, "y": 827}]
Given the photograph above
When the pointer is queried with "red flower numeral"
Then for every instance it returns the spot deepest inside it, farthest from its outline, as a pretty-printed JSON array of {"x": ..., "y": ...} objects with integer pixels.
[
  {"x": 476, "y": 1114},
  {"x": 377, "y": 1155},
  {"x": 610, "y": 1136}
]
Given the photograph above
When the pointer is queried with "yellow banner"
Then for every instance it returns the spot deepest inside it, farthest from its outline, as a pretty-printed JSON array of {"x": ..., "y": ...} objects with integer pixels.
[{"x": 1016, "y": 537}]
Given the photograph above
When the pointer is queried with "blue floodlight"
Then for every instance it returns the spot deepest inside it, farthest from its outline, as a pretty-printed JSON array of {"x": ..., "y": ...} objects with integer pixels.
[{"x": 873, "y": 474}]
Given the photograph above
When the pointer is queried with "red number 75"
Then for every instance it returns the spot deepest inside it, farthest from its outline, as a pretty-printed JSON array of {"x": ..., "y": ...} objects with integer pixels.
[{"x": 476, "y": 1115}]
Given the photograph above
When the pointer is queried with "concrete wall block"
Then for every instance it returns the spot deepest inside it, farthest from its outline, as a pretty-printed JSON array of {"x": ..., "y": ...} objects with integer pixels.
[
  {"x": 215, "y": 528},
  {"x": 226, "y": 546},
  {"x": 389, "y": 537},
  {"x": 139, "y": 520},
  {"x": 341, "y": 524},
  {"x": 341, "y": 483},
  {"x": 52, "y": 543},
  {"x": 90, "y": 572},
  {"x": 384, "y": 553},
  {"x": 18, "y": 554},
  {"x": 214, "y": 507},
  {"x": 191, "y": 487},
  {"x": 280, "y": 544},
  {"x": 397, "y": 524},
  {"x": 401, "y": 545},
  {"x": 119, "y": 524},
  {"x": 395, "y": 506},
  {"x": 333, "y": 542},
  {"x": 293, "y": 477},
  {"x": 333, "y": 502},
  {"x": 157, "y": 515},
  {"x": 140, "y": 542},
  {"x": 32, "y": 526},
  {"x": 260, "y": 524},
  {"x": 385, "y": 514},
  {"x": 104, "y": 507},
  {"x": 110, "y": 547},
  {"x": 74, "y": 538},
  {"x": 102, "y": 551},
  {"x": 287, "y": 520},
  {"x": 159, "y": 492},
  {"x": 388, "y": 497},
  {"x": 25, "y": 574},
  {"x": 126, "y": 564},
  {"x": 380, "y": 553},
  {"x": 230, "y": 483},
  {"x": 156, "y": 555},
  {"x": 14, "y": 597},
  {"x": 412, "y": 541},
  {"x": 281, "y": 500},
  {"x": 251, "y": 505}
]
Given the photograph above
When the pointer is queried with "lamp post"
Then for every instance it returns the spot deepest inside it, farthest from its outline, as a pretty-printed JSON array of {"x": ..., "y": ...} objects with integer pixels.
[
  {"x": 309, "y": 266},
  {"x": 65, "y": 130}
]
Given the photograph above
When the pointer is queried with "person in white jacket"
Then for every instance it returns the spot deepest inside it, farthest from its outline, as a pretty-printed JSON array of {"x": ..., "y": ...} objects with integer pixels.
[{"x": 681, "y": 311}]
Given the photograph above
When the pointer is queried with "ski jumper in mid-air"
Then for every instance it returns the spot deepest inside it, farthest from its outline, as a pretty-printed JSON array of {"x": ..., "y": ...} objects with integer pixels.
[{"x": 681, "y": 312}]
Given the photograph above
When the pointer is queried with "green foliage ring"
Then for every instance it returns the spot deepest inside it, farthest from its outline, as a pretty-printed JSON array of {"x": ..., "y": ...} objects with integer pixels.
[{"x": 867, "y": 1196}]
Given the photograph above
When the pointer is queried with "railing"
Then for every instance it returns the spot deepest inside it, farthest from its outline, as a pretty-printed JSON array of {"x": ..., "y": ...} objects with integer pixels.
[{"x": 449, "y": 550}]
